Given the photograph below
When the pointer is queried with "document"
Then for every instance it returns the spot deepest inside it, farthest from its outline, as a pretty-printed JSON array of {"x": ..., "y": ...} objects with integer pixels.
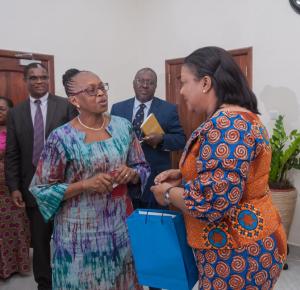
[{"x": 151, "y": 126}]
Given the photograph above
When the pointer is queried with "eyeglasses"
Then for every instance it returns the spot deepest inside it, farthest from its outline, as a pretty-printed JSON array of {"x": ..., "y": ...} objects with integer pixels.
[
  {"x": 141, "y": 82},
  {"x": 93, "y": 91},
  {"x": 36, "y": 79}
]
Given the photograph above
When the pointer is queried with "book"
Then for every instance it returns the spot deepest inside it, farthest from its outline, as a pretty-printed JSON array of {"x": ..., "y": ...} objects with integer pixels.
[{"x": 151, "y": 126}]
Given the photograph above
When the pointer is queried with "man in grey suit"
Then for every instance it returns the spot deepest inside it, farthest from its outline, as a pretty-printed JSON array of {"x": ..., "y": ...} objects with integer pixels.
[{"x": 28, "y": 126}]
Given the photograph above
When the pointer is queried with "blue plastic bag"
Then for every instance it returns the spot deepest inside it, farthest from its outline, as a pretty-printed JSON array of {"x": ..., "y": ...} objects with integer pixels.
[{"x": 162, "y": 256}]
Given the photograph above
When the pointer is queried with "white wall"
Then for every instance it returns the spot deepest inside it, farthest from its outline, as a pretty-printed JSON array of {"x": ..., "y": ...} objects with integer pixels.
[
  {"x": 115, "y": 38},
  {"x": 95, "y": 35}
]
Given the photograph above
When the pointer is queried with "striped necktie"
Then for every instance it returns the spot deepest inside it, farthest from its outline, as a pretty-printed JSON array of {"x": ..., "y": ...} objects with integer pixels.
[{"x": 38, "y": 136}]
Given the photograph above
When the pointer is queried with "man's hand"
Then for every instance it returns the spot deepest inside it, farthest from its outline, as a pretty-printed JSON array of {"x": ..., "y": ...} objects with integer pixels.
[
  {"x": 17, "y": 198},
  {"x": 153, "y": 140}
]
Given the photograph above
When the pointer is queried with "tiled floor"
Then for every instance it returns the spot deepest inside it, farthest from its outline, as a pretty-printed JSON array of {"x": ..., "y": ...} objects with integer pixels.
[{"x": 289, "y": 280}]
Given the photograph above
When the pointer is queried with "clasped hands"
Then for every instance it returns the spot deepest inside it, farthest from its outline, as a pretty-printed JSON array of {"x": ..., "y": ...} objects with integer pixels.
[
  {"x": 163, "y": 182},
  {"x": 103, "y": 182}
]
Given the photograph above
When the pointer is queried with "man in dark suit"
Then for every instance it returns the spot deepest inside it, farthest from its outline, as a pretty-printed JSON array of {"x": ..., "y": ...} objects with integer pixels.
[
  {"x": 156, "y": 147},
  {"x": 28, "y": 126}
]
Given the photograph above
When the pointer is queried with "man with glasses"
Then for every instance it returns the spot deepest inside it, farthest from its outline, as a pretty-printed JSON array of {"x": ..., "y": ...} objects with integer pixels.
[
  {"x": 28, "y": 126},
  {"x": 157, "y": 147}
]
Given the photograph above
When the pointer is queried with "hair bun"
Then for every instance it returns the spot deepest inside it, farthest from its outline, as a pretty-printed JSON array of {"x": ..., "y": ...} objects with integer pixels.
[{"x": 68, "y": 75}]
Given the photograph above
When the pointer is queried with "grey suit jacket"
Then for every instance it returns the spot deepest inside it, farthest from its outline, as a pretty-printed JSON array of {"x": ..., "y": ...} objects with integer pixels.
[{"x": 19, "y": 169}]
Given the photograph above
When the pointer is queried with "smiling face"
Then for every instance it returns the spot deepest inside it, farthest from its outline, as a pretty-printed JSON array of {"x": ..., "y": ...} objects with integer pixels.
[
  {"x": 144, "y": 85},
  {"x": 89, "y": 93},
  {"x": 197, "y": 93},
  {"x": 37, "y": 81}
]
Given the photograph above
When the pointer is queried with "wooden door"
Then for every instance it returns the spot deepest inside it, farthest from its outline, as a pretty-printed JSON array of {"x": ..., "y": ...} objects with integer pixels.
[
  {"x": 189, "y": 120},
  {"x": 12, "y": 65}
]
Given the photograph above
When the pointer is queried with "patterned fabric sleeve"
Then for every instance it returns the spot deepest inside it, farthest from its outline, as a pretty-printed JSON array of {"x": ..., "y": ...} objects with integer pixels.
[
  {"x": 48, "y": 186},
  {"x": 2, "y": 140},
  {"x": 136, "y": 160},
  {"x": 226, "y": 149}
]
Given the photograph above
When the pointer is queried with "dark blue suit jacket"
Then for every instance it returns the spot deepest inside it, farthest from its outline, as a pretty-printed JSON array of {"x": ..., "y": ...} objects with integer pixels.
[{"x": 174, "y": 138}]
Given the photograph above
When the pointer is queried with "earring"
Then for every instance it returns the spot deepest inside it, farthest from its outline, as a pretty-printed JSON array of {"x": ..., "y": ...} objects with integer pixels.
[
  {"x": 78, "y": 107},
  {"x": 204, "y": 91}
]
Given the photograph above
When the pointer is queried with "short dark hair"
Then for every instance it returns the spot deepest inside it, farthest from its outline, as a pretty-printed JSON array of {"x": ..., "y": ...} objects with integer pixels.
[
  {"x": 147, "y": 69},
  {"x": 8, "y": 101},
  {"x": 228, "y": 80},
  {"x": 33, "y": 65}
]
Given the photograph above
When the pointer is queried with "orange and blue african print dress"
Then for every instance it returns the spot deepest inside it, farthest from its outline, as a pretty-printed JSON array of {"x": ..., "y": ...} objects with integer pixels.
[{"x": 232, "y": 225}]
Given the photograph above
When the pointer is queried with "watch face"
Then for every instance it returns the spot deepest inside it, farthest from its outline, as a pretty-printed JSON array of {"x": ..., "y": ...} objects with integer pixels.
[{"x": 296, "y": 5}]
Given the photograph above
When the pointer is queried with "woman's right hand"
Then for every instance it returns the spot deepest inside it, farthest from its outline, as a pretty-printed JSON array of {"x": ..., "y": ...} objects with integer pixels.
[
  {"x": 172, "y": 176},
  {"x": 101, "y": 182}
]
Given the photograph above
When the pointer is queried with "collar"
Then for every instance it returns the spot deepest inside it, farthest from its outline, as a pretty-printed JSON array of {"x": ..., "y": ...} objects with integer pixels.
[
  {"x": 137, "y": 103},
  {"x": 43, "y": 99}
]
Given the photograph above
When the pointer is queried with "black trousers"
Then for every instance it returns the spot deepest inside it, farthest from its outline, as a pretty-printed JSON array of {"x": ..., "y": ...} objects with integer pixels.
[
  {"x": 40, "y": 240},
  {"x": 137, "y": 203}
]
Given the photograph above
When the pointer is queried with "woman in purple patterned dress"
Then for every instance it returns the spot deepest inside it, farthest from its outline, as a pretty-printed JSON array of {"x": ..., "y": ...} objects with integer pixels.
[{"x": 81, "y": 181}]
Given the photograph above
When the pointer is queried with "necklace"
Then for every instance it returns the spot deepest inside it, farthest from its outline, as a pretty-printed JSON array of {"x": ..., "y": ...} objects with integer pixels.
[{"x": 90, "y": 128}]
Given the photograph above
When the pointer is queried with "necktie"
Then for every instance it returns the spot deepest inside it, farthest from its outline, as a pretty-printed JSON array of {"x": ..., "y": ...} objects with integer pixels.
[
  {"x": 38, "y": 136},
  {"x": 138, "y": 120}
]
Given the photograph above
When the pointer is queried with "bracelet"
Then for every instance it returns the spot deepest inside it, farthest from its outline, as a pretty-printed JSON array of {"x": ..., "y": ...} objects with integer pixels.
[{"x": 167, "y": 195}]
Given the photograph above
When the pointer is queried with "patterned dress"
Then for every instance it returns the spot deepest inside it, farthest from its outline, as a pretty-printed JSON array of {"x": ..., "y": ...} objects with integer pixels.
[
  {"x": 91, "y": 247},
  {"x": 14, "y": 228},
  {"x": 232, "y": 225}
]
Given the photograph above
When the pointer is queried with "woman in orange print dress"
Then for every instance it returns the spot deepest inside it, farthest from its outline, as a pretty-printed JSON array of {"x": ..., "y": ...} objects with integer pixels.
[
  {"x": 14, "y": 227},
  {"x": 222, "y": 184}
]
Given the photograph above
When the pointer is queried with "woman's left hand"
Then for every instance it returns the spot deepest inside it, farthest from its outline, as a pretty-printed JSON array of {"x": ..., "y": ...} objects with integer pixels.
[
  {"x": 159, "y": 190},
  {"x": 125, "y": 174}
]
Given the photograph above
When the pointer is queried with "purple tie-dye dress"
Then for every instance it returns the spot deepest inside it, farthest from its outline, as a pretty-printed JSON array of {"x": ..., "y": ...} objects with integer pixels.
[{"x": 91, "y": 247}]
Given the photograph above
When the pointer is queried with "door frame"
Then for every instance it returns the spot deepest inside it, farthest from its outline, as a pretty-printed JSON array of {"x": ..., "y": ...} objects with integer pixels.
[
  {"x": 168, "y": 64},
  {"x": 46, "y": 59},
  {"x": 248, "y": 53}
]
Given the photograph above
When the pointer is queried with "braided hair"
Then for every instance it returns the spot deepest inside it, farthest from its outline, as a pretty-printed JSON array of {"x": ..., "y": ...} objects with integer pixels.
[{"x": 68, "y": 81}]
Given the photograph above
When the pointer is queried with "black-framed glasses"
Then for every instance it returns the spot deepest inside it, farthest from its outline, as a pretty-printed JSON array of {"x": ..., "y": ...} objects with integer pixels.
[
  {"x": 36, "y": 78},
  {"x": 141, "y": 82},
  {"x": 93, "y": 90}
]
